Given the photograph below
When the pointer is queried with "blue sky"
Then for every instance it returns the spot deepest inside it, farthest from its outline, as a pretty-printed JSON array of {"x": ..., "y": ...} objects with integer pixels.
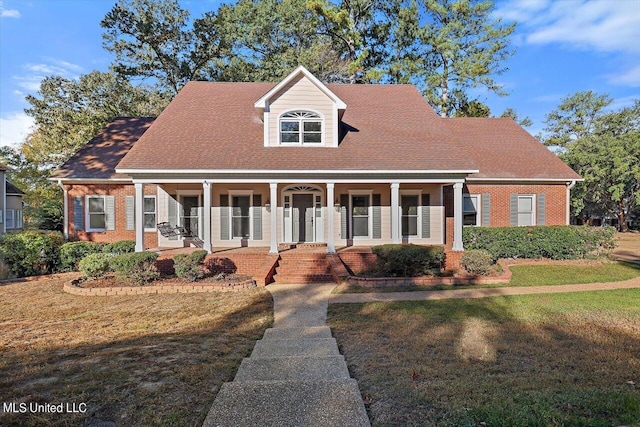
[{"x": 561, "y": 47}]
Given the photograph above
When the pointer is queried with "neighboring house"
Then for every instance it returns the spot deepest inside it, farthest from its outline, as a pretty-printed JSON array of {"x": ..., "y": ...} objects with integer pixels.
[
  {"x": 259, "y": 164},
  {"x": 10, "y": 204}
]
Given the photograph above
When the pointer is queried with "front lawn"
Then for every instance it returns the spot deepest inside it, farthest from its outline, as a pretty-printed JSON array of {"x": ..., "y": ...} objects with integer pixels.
[
  {"x": 537, "y": 360},
  {"x": 134, "y": 360}
]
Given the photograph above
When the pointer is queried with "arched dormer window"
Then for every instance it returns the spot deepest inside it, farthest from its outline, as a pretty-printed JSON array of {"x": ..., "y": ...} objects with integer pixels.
[{"x": 300, "y": 128}]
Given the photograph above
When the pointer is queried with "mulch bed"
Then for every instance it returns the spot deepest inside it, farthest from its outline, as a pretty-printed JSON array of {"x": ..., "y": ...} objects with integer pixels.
[{"x": 111, "y": 281}]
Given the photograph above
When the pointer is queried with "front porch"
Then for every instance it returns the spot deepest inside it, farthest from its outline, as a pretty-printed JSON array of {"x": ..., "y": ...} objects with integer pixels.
[{"x": 274, "y": 216}]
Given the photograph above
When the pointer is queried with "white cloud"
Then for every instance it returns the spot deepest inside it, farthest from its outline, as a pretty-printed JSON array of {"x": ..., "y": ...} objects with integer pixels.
[
  {"x": 35, "y": 73},
  {"x": 14, "y": 127},
  {"x": 605, "y": 26},
  {"x": 8, "y": 13},
  {"x": 630, "y": 77},
  {"x": 623, "y": 102}
]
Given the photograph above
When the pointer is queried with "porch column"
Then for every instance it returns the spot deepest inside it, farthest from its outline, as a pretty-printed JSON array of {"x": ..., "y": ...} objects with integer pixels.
[
  {"x": 273, "y": 188},
  {"x": 206, "y": 229},
  {"x": 395, "y": 210},
  {"x": 457, "y": 217},
  {"x": 331, "y": 246},
  {"x": 139, "y": 216}
]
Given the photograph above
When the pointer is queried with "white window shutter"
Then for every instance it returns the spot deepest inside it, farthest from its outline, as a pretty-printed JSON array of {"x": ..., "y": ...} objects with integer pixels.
[
  {"x": 110, "y": 211},
  {"x": 130, "y": 213}
]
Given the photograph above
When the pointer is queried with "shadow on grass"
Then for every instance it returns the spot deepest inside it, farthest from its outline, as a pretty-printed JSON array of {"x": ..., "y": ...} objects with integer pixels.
[
  {"x": 566, "y": 359},
  {"x": 155, "y": 378}
]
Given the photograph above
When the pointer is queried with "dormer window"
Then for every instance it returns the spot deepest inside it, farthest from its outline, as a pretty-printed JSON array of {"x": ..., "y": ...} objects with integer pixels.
[{"x": 300, "y": 128}]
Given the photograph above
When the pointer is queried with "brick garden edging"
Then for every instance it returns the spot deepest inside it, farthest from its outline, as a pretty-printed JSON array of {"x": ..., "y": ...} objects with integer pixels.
[{"x": 72, "y": 288}]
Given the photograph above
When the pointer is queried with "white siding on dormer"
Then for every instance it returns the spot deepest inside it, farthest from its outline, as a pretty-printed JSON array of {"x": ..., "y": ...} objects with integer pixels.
[{"x": 301, "y": 94}]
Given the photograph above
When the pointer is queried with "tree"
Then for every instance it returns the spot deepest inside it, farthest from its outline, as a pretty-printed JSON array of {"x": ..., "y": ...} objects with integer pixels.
[
  {"x": 457, "y": 46},
  {"x": 574, "y": 119},
  {"x": 151, "y": 39},
  {"x": 473, "y": 108},
  {"x": 608, "y": 158},
  {"x": 512, "y": 114}
]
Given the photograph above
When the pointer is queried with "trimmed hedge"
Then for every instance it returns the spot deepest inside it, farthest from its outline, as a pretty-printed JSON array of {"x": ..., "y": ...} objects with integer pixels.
[
  {"x": 477, "y": 261},
  {"x": 190, "y": 267},
  {"x": 72, "y": 253},
  {"x": 553, "y": 242},
  {"x": 138, "y": 267},
  {"x": 408, "y": 260},
  {"x": 96, "y": 265},
  {"x": 120, "y": 247},
  {"x": 31, "y": 253}
]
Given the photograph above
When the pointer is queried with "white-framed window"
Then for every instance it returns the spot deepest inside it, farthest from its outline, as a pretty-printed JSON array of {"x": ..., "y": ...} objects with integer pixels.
[
  {"x": 18, "y": 218},
  {"x": 471, "y": 209},
  {"x": 526, "y": 210},
  {"x": 409, "y": 203},
  {"x": 96, "y": 216},
  {"x": 10, "y": 218},
  {"x": 1, "y": 217},
  {"x": 360, "y": 215},
  {"x": 301, "y": 128},
  {"x": 149, "y": 206},
  {"x": 241, "y": 203}
]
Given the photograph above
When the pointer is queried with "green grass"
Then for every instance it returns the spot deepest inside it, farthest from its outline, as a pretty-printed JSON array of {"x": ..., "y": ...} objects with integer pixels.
[
  {"x": 532, "y": 360},
  {"x": 541, "y": 275}
]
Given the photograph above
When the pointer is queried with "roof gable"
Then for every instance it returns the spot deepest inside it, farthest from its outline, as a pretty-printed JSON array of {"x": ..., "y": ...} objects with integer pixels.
[{"x": 294, "y": 76}]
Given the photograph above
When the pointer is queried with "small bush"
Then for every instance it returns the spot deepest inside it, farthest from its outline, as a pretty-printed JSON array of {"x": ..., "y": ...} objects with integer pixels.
[
  {"x": 408, "y": 260},
  {"x": 94, "y": 266},
  {"x": 137, "y": 267},
  {"x": 190, "y": 267},
  {"x": 554, "y": 242},
  {"x": 120, "y": 247},
  {"x": 31, "y": 253},
  {"x": 72, "y": 252},
  {"x": 477, "y": 261}
]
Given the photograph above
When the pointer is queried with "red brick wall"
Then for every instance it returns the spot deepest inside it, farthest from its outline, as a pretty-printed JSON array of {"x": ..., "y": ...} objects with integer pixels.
[
  {"x": 358, "y": 260},
  {"x": 119, "y": 191}
]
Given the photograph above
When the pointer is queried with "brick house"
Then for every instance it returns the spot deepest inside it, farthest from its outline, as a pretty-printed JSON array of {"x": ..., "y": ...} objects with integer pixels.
[{"x": 261, "y": 164}]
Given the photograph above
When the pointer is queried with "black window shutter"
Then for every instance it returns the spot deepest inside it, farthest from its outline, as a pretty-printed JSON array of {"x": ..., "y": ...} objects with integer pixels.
[
  {"x": 376, "y": 212},
  {"x": 426, "y": 216}
]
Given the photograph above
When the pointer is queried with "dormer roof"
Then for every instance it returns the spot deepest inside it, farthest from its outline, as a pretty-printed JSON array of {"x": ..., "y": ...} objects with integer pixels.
[{"x": 296, "y": 74}]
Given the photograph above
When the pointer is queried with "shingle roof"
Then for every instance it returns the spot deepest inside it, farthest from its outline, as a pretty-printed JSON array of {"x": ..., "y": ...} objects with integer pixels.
[
  {"x": 214, "y": 126},
  {"x": 12, "y": 189},
  {"x": 99, "y": 157}
]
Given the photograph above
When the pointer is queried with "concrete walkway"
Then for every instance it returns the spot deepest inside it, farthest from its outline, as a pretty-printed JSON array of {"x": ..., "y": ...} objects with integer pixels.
[
  {"x": 296, "y": 375},
  {"x": 480, "y": 292}
]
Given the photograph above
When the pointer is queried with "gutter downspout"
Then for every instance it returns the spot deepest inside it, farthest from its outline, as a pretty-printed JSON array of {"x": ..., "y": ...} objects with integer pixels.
[
  {"x": 65, "y": 210},
  {"x": 570, "y": 185}
]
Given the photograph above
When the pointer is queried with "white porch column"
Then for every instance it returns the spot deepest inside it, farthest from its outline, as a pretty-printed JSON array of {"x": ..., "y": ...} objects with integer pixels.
[
  {"x": 139, "y": 216},
  {"x": 273, "y": 188},
  {"x": 65, "y": 212},
  {"x": 457, "y": 217},
  {"x": 395, "y": 210},
  {"x": 331, "y": 245},
  {"x": 206, "y": 230}
]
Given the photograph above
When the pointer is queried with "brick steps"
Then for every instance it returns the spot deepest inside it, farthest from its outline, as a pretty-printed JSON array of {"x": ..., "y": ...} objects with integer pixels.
[{"x": 303, "y": 266}]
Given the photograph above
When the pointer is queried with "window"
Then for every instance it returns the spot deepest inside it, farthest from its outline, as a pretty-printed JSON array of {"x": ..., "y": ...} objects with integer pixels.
[
  {"x": 409, "y": 204},
  {"x": 149, "y": 207},
  {"x": 241, "y": 216},
  {"x": 360, "y": 215},
  {"x": 96, "y": 214},
  {"x": 526, "y": 213},
  {"x": 470, "y": 206},
  {"x": 300, "y": 127},
  {"x": 9, "y": 219},
  {"x": 18, "y": 219}
]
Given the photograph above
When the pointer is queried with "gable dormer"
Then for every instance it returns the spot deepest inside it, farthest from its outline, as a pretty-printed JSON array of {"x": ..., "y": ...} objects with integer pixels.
[{"x": 300, "y": 111}]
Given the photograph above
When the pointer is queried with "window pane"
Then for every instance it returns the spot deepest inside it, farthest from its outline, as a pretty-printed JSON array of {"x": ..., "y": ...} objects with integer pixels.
[
  {"x": 469, "y": 204},
  {"x": 413, "y": 226},
  {"x": 409, "y": 205},
  {"x": 96, "y": 204},
  {"x": 290, "y": 137},
  {"x": 470, "y": 219},
  {"x": 312, "y": 126},
  {"x": 241, "y": 205},
  {"x": 149, "y": 220},
  {"x": 150, "y": 204},
  {"x": 361, "y": 226},
  {"x": 241, "y": 227},
  {"x": 525, "y": 219},
  {"x": 312, "y": 137},
  {"x": 97, "y": 221},
  {"x": 525, "y": 204},
  {"x": 360, "y": 201},
  {"x": 289, "y": 126}
]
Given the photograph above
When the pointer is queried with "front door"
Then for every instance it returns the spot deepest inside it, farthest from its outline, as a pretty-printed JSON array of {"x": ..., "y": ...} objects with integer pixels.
[
  {"x": 190, "y": 214},
  {"x": 303, "y": 217}
]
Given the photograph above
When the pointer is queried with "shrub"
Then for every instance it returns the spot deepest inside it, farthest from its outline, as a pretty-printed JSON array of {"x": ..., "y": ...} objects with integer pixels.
[
  {"x": 120, "y": 247},
  {"x": 94, "y": 266},
  {"x": 554, "y": 242},
  {"x": 72, "y": 252},
  {"x": 477, "y": 261},
  {"x": 138, "y": 267},
  {"x": 31, "y": 253},
  {"x": 408, "y": 260},
  {"x": 190, "y": 267}
]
